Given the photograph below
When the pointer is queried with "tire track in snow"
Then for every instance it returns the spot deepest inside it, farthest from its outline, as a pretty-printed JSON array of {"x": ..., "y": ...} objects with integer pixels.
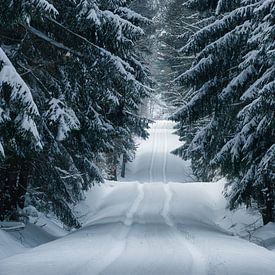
[
  {"x": 199, "y": 262},
  {"x": 166, "y": 207},
  {"x": 118, "y": 249},
  {"x": 165, "y": 152},
  {"x": 154, "y": 150},
  {"x": 133, "y": 209}
]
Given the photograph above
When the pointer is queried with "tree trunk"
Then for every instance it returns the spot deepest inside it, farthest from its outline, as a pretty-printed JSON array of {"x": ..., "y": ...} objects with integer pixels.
[
  {"x": 22, "y": 183},
  {"x": 268, "y": 215},
  {"x": 11, "y": 189},
  {"x": 123, "y": 167},
  {"x": 14, "y": 183},
  {"x": 268, "y": 212},
  {"x": 114, "y": 168}
]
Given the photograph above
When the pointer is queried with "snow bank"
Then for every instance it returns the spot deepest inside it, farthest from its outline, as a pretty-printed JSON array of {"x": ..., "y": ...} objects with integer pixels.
[
  {"x": 40, "y": 230},
  {"x": 265, "y": 236},
  {"x": 9, "y": 246}
]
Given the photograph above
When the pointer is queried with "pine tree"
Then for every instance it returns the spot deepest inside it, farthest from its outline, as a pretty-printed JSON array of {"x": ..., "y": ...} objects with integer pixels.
[
  {"x": 229, "y": 107},
  {"x": 214, "y": 46},
  {"x": 88, "y": 81},
  {"x": 249, "y": 155},
  {"x": 202, "y": 5},
  {"x": 19, "y": 136}
]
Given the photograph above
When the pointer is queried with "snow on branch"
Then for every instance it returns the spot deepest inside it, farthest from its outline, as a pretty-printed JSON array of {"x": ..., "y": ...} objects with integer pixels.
[
  {"x": 21, "y": 98},
  {"x": 217, "y": 29},
  {"x": 2, "y": 152},
  {"x": 132, "y": 16},
  {"x": 64, "y": 117},
  {"x": 45, "y": 6}
]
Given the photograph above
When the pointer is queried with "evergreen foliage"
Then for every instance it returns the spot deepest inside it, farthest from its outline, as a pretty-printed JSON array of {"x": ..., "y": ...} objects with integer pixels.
[
  {"x": 77, "y": 60},
  {"x": 229, "y": 114}
]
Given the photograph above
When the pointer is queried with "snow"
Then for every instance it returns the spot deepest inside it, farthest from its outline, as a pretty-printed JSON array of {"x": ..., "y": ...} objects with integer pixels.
[
  {"x": 156, "y": 221},
  {"x": 2, "y": 152},
  {"x": 131, "y": 15},
  {"x": 64, "y": 116},
  {"x": 39, "y": 230},
  {"x": 7, "y": 226},
  {"x": 45, "y": 5},
  {"x": 229, "y": 19},
  {"x": 27, "y": 125},
  {"x": 20, "y": 91},
  {"x": 20, "y": 96},
  {"x": 265, "y": 236},
  {"x": 9, "y": 246},
  {"x": 239, "y": 80},
  {"x": 91, "y": 11},
  {"x": 154, "y": 162}
]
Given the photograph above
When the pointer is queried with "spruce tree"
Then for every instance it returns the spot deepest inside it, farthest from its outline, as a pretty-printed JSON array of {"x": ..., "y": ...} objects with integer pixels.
[
  {"x": 229, "y": 108},
  {"x": 19, "y": 136},
  {"x": 88, "y": 81}
]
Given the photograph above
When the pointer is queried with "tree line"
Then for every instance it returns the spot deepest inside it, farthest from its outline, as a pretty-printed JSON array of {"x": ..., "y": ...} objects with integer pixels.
[
  {"x": 227, "y": 121},
  {"x": 72, "y": 81}
]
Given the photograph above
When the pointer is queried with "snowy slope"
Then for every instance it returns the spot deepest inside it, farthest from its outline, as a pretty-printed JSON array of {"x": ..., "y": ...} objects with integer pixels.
[
  {"x": 39, "y": 230},
  {"x": 148, "y": 226},
  {"x": 9, "y": 246}
]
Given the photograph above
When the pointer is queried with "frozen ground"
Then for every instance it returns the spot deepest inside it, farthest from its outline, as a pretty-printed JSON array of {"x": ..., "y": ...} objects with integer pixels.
[
  {"x": 156, "y": 222},
  {"x": 154, "y": 163},
  {"x": 40, "y": 230}
]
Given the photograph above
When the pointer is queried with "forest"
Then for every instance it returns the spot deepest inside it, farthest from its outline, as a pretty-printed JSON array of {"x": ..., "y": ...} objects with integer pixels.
[
  {"x": 98, "y": 95},
  {"x": 71, "y": 86}
]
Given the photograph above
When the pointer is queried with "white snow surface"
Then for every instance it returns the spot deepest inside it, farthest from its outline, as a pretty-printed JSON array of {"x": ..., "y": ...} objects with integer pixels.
[
  {"x": 154, "y": 222},
  {"x": 154, "y": 162},
  {"x": 39, "y": 230}
]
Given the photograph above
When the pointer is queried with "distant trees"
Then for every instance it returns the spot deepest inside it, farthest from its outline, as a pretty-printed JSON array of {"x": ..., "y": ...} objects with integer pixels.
[
  {"x": 228, "y": 120},
  {"x": 178, "y": 23},
  {"x": 71, "y": 84}
]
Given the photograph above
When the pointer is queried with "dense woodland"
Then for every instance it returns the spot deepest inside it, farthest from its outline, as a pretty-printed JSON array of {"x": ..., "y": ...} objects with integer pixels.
[
  {"x": 73, "y": 81},
  {"x": 227, "y": 120}
]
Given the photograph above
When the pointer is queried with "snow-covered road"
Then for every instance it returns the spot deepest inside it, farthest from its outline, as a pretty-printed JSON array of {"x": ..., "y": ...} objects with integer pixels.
[
  {"x": 154, "y": 163},
  {"x": 155, "y": 223}
]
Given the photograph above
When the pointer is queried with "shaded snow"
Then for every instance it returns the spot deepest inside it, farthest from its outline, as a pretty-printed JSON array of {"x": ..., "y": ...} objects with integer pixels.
[
  {"x": 265, "y": 236},
  {"x": 9, "y": 246},
  {"x": 149, "y": 224},
  {"x": 39, "y": 230}
]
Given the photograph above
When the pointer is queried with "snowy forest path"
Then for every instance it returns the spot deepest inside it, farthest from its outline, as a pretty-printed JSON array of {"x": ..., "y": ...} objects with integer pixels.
[
  {"x": 157, "y": 221},
  {"x": 150, "y": 237},
  {"x": 154, "y": 162},
  {"x": 159, "y": 162},
  {"x": 198, "y": 260}
]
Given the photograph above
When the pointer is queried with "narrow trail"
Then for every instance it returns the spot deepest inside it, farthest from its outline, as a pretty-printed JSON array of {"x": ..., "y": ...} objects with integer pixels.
[
  {"x": 155, "y": 222},
  {"x": 154, "y": 162}
]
